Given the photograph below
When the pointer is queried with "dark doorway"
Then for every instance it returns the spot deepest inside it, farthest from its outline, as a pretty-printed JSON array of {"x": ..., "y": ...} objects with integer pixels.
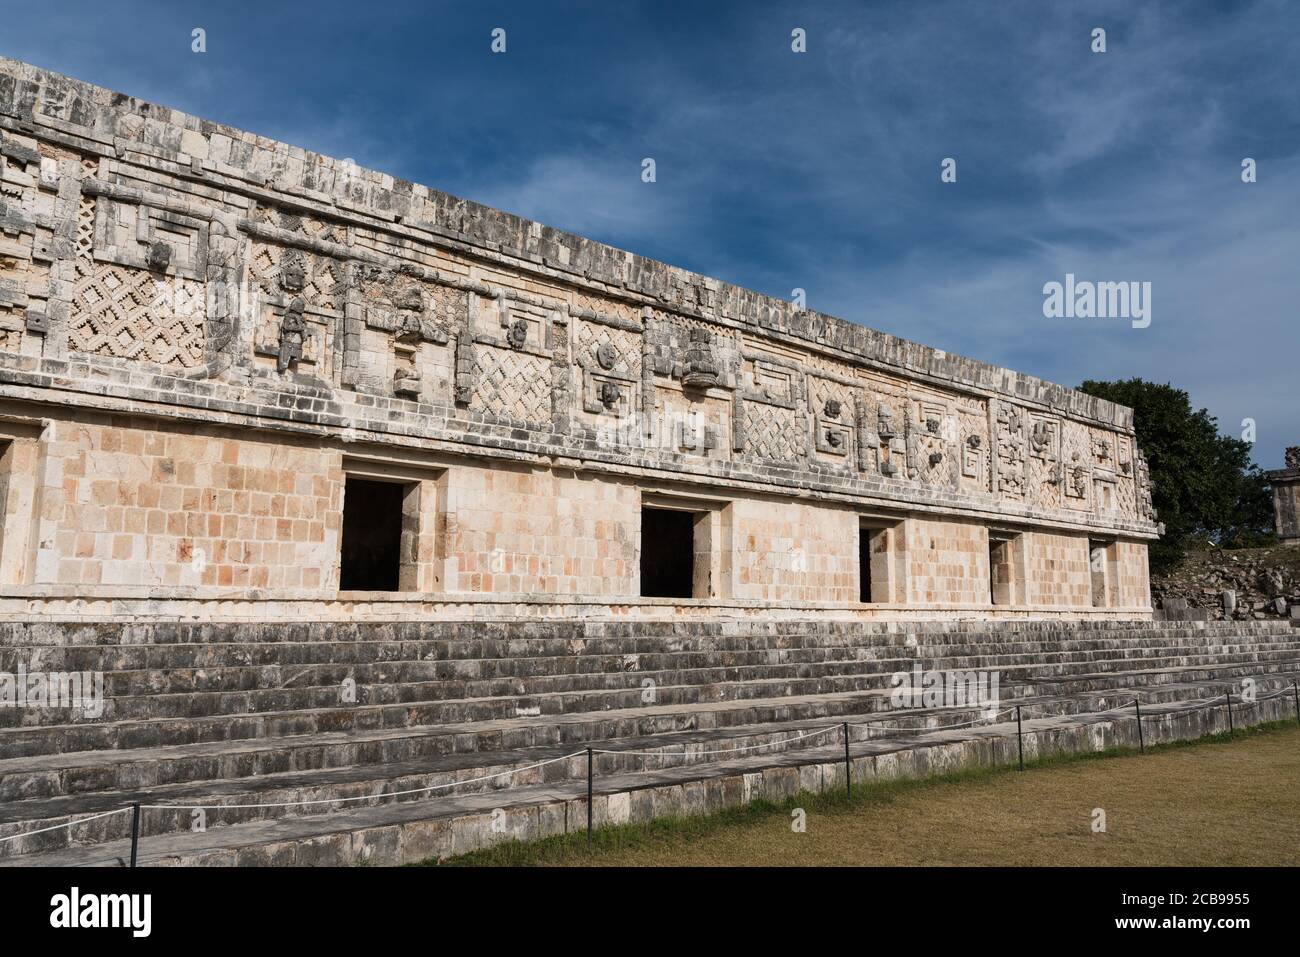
[
  {"x": 864, "y": 564},
  {"x": 667, "y": 553},
  {"x": 372, "y": 536}
]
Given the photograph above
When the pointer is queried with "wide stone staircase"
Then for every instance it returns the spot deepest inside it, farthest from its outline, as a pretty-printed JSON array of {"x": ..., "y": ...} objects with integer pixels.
[{"x": 327, "y": 743}]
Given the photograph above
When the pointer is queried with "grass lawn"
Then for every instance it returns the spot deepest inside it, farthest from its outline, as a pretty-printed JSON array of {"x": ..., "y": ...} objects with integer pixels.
[{"x": 1211, "y": 802}]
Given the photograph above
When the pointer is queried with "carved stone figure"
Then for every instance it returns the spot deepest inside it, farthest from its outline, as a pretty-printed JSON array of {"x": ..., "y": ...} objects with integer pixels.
[
  {"x": 409, "y": 328},
  {"x": 406, "y": 382},
  {"x": 831, "y": 409},
  {"x": 293, "y": 329},
  {"x": 606, "y": 355},
  {"x": 885, "y": 423},
  {"x": 293, "y": 273},
  {"x": 1041, "y": 437},
  {"x": 610, "y": 393},
  {"x": 159, "y": 256},
  {"x": 1079, "y": 481},
  {"x": 409, "y": 299},
  {"x": 701, "y": 366},
  {"x": 518, "y": 334}
]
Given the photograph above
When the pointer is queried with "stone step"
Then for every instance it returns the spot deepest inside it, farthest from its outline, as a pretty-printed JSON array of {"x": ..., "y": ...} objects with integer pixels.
[
  {"x": 536, "y": 655},
  {"x": 57, "y": 774},
  {"x": 497, "y": 639},
  {"x": 245, "y": 669},
  {"x": 247, "y": 673},
  {"x": 256, "y": 798},
  {"x": 394, "y": 832},
  {"x": 554, "y": 694},
  {"x": 176, "y": 729}
]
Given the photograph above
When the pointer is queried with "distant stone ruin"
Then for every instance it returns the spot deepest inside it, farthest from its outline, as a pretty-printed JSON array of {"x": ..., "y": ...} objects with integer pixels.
[{"x": 1286, "y": 496}]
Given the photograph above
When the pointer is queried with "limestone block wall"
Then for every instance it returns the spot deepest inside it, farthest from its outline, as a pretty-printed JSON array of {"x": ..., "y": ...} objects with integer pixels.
[
  {"x": 1286, "y": 497},
  {"x": 795, "y": 551},
  {"x": 130, "y": 503},
  {"x": 204, "y": 332},
  {"x": 1058, "y": 570},
  {"x": 530, "y": 530},
  {"x": 1134, "y": 579},
  {"x": 948, "y": 562}
]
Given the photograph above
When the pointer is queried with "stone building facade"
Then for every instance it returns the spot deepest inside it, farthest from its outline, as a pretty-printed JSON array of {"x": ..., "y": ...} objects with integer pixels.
[
  {"x": 1286, "y": 496},
  {"x": 242, "y": 380}
]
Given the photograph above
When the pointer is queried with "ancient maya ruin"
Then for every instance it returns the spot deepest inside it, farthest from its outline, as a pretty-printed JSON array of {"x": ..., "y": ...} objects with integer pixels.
[{"x": 343, "y": 483}]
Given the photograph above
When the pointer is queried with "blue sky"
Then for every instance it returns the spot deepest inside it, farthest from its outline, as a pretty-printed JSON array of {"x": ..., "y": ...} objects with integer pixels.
[{"x": 820, "y": 170}]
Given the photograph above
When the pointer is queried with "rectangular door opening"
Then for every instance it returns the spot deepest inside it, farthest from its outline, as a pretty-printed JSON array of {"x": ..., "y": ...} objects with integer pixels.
[
  {"x": 1101, "y": 556},
  {"x": 1002, "y": 569},
  {"x": 879, "y": 580},
  {"x": 864, "y": 565},
  {"x": 873, "y": 564},
  {"x": 668, "y": 552},
  {"x": 371, "y": 547}
]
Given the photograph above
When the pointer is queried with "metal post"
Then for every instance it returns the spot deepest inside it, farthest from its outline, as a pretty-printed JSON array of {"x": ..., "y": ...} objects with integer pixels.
[
  {"x": 1020, "y": 739},
  {"x": 589, "y": 797},
  {"x": 1141, "y": 743},
  {"x": 135, "y": 833},
  {"x": 848, "y": 767},
  {"x": 1228, "y": 698},
  {"x": 1296, "y": 689}
]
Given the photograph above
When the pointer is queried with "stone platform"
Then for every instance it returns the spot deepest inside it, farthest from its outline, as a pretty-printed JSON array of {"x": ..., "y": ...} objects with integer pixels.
[{"x": 241, "y": 717}]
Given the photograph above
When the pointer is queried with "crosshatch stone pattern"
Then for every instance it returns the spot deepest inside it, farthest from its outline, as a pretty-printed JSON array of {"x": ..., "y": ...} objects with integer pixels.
[{"x": 204, "y": 332}]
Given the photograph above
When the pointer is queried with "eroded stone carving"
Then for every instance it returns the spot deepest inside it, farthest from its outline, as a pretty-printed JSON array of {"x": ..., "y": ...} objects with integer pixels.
[
  {"x": 293, "y": 272},
  {"x": 702, "y": 370},
  {"x": 159, "y": 256},
  {"x": 293, "y": 328}
]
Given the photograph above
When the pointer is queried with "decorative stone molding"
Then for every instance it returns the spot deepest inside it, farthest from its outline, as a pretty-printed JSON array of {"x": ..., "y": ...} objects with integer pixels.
[{"x": 468, "y": 326}]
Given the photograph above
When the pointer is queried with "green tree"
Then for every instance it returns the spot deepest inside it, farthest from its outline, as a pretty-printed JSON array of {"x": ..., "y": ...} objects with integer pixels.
[{"x": 1203, "y": 484}]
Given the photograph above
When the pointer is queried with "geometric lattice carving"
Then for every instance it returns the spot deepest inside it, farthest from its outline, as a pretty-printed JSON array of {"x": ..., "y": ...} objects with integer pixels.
[
  {"x": 772, "y": 433},
  {"x": 620, "y": 348},
  {"x": 134, "y": 314},
  {"x": 323, "y": 277},
  {"x": 512, "y": 385}
]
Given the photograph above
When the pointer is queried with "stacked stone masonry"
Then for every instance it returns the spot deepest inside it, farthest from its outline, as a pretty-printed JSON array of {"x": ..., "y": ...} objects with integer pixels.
[
  {"x": 1286, "y": 497},
  {"x": 207, "y": 337}
]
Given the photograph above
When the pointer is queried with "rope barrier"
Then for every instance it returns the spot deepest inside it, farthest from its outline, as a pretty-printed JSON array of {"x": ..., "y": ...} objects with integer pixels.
[{"x": 55, "y": 827}]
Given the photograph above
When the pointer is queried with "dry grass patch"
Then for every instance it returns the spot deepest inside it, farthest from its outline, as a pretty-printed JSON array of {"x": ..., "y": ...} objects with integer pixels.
[{"x": 1212, "y": 802}]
